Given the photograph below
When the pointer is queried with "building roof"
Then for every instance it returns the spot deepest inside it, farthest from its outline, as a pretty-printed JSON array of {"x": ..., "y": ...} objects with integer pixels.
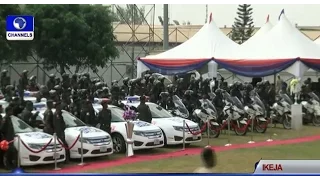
[{"x": 179, "y": 33}]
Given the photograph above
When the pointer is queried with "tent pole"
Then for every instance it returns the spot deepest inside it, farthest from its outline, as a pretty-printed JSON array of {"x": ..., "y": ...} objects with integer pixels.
[{"x": 165, "y": 27}]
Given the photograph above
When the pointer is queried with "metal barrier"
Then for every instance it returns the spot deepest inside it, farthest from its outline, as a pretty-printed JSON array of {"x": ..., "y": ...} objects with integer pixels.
[
  {"x": 208, "y": 131},
  {"x": 81, "y": 146},
  {"x": 56, "y": 168},
  {"x": 229, "y": 129},
  {"x": 184, "y": 135},
  {"x": 252, "y": 131}
]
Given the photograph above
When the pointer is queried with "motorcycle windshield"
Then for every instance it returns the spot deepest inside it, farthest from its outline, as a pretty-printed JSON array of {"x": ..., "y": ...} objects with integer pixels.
[
  {"x": 314, "y": 96},
  {"x": 286, "y": 98},
  {"x": 237, "y": 102},
  {"x": 258, "y": 101},
  {"x": 211, "y": 106},
  {"x": 212, "y": 95},
  {"x": 227, "y": 97},
  {"x": 180, "y": 106}
]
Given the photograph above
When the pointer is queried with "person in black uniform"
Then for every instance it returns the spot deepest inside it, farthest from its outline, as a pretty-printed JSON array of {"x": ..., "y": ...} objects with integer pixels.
[
  {"x": 23, "y": 83},
  {"x": 9, "y": 93},
  {"x": 163, "y": 102},
  {"x": 125, "y": 88},
  {"x": 104, "y": 118},
  {"x": 87, "y": 114},
  {"x": 59, "y": 126},
  {"x": 27, "y": 115},
  {"x": 5, "y": 80},
  {"x": 48, "y": 118},
  {"x": 17, "y": 106},
  {"x": 115, "y": 92},
  {"x": 51, "y": 82},
  {"x": 75, "y": 106},
  {"x": 8, "y": 134},
  {"x": 144, "y": 111}
]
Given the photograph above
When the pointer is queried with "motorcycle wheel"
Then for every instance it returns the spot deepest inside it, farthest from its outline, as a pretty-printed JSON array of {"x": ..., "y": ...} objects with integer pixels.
[
  {"x": 240, "y": 131},
  {"x": 316, "y": 121},
  {"x": 286, "y": 122},
  {"x": 261, "y": 126},
  {"x": 215, "y": 131}
]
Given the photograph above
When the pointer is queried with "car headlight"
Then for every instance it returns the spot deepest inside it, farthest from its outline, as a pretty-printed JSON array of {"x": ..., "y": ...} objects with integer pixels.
[
  {"x": 179, "y": 128},
  {"x": 35, "y": 146},
  {"x": 108, "y": 137},
  {"x": 138, "y": 133},
  {"x": 84, "y": 140}
]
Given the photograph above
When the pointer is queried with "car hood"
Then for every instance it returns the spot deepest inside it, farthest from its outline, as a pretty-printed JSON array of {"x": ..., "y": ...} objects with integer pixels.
[
  {"x": 35, "y": 137},
  {"x": 177, "y": 121},
  {"x": 143, "y": 126},
  {"x": 88, "y": 132}
]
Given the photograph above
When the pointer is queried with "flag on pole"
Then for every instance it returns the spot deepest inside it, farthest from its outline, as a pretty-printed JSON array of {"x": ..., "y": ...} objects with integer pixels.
[
  {"x": 210, "y": 18},
  {"x": 282, "y": 12},
  {"x": 267, "y": 19}
]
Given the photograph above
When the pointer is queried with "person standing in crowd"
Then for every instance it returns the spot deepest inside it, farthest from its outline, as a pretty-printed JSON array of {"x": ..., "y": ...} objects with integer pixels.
[
  {"x": 209, "y": 160},
  {"x": 7, "y": 130},
  {"x": 48, "y": 118},
  {"x": 27, "y": 115},
  {"x": 279, "y": 84},
  {"x": 144, "y": 111},
  {"x": 59, "y": 126},
  {"x": 104, "y": 118}
]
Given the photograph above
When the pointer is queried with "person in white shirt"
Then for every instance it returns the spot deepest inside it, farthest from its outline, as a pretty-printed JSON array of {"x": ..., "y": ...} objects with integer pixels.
[{"x": 209, "y": 160}]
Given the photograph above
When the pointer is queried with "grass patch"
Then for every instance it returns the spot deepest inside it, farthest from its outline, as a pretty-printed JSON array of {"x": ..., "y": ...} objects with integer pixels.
[{"x": 234, "y": 161}]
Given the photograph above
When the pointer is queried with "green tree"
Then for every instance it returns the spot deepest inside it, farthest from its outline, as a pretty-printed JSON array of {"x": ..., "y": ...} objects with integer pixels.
[
  {"x": 73, "y": 35},
  {"x": 11, "y": 51},
  {"x": 243, "y": 26},
  {"x": 130, "y": 14}
]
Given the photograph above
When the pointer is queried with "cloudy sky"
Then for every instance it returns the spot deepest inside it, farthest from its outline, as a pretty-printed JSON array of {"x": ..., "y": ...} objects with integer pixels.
[{"x": 303, "y": 15}]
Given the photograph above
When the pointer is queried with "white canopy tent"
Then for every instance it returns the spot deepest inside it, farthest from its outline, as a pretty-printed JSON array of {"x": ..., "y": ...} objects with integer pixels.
[
  {"x": 283, "y": 41},
  {"x": 207, "y": 43},
  {"x": 259, "y": 34},
  {"x": 317, "y": 41}
]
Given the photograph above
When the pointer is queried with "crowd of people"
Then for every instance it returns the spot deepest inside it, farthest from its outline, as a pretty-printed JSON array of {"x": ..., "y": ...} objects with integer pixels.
[{"x": 76, "y": 94}]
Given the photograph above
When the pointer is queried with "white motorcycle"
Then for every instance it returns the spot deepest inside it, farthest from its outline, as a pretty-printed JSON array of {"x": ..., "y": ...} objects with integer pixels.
[
  {"x": 256, "y": 112},
  {"x": 208, "y": 113},
  {"x": 234, "y": 113},
  {"x": 311, "y": 110},
  {"x": 281, "y": 111}
]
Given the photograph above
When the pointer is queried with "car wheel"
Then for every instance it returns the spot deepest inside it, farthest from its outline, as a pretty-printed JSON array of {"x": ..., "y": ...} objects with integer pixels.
[
  {"x": 164, "y": 138},
  {"x": 119, "y": 144}
]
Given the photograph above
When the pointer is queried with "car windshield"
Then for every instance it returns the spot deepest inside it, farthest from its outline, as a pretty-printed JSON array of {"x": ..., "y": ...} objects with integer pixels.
[
  {"x": 158, "y": 111},
  {"x": 20, "y": 126},
  {"x": 71, "y": 120},
  {"x": 117, "y": 114}
]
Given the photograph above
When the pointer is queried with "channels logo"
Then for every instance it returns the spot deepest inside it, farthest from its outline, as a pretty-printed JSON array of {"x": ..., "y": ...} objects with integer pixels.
[{"x": 20, "y": 28}]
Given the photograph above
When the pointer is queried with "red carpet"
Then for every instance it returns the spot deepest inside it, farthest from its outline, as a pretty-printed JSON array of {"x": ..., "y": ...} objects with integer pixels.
[{"x": 191, "y": 151}]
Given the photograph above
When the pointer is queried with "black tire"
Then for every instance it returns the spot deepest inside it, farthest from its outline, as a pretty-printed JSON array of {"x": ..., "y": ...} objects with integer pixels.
[
  {"x": 215, "y": 131},
  {"x": 164, "y": 139},
  {"x": 316, "y": 121},
  {"x": 286, "y": 121},
  {"x": 261, "y": 126},
  {"x": 239, "y": 130},
  {"x": 119, "y": 144}
]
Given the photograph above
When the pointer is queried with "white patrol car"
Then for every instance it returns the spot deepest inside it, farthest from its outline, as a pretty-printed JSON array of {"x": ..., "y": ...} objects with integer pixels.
[
  {"x": 95, "y": 141},
  {"x": 145, "y": 135},
  {"x": 171, "y": 126},
  {"x": 35, "y": 141}
]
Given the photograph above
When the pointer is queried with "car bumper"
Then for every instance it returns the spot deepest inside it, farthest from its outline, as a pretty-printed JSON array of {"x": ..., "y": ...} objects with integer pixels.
[
  {"x": 91, "y": 150},
  {"x": 28, "y": 158},
  {"x": 177, "y": 138},
  {"x": 146, "y": 143}
]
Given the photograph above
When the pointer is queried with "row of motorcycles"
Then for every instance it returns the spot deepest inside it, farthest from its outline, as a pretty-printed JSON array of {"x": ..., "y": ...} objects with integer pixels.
[{"x": 240, "y": 119}]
